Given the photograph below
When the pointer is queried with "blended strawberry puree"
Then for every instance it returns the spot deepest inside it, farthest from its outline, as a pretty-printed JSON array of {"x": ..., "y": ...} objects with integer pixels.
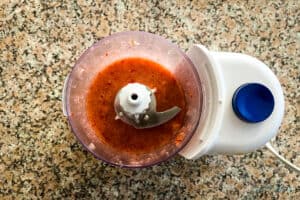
[{"x": 121, "y": 136}]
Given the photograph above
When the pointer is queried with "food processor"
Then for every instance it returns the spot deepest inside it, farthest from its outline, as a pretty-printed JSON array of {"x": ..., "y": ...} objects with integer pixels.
[{"x": 234, "y": 102}]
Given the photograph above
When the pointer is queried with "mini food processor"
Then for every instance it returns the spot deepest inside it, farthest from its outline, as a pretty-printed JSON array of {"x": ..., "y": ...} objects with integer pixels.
[{"x": 234, "y": 102}]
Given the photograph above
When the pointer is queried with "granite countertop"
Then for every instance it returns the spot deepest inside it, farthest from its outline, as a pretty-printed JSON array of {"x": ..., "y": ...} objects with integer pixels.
[{"x": 39, "y": 43}]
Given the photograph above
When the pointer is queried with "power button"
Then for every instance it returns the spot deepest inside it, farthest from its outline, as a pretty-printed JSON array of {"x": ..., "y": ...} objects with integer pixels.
[{"x": 253, "y": 102}]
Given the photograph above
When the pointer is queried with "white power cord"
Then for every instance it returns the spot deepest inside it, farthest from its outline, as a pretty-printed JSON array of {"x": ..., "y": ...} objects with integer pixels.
[{"x": 288, "y": 163}]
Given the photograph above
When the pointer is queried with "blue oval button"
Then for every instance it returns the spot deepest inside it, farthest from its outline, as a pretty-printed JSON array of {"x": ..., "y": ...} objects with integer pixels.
[{"x": 253, "y": 102}]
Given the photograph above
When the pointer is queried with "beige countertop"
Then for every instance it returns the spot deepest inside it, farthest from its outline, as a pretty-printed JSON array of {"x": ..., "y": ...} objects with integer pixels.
[{"x": 39, "y": 43}]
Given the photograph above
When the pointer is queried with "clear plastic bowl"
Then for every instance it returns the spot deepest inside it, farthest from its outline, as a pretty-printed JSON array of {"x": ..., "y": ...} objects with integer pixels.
[{"x": 116, "y": 47}]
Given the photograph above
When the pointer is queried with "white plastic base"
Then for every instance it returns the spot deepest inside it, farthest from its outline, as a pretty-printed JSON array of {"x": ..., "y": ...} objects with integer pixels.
[{"x": 227, "y": 133}]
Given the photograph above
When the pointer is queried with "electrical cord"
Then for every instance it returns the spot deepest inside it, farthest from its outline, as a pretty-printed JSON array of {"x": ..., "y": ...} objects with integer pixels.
[{"x": 288, "y": 163}]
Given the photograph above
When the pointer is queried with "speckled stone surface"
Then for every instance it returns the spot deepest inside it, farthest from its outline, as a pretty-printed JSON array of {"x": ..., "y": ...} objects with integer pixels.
[{"x": 39, "y": 43}]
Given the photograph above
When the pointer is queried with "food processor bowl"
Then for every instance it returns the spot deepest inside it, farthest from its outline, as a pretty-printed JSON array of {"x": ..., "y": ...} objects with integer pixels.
[{"x": 131, "y": 45}]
